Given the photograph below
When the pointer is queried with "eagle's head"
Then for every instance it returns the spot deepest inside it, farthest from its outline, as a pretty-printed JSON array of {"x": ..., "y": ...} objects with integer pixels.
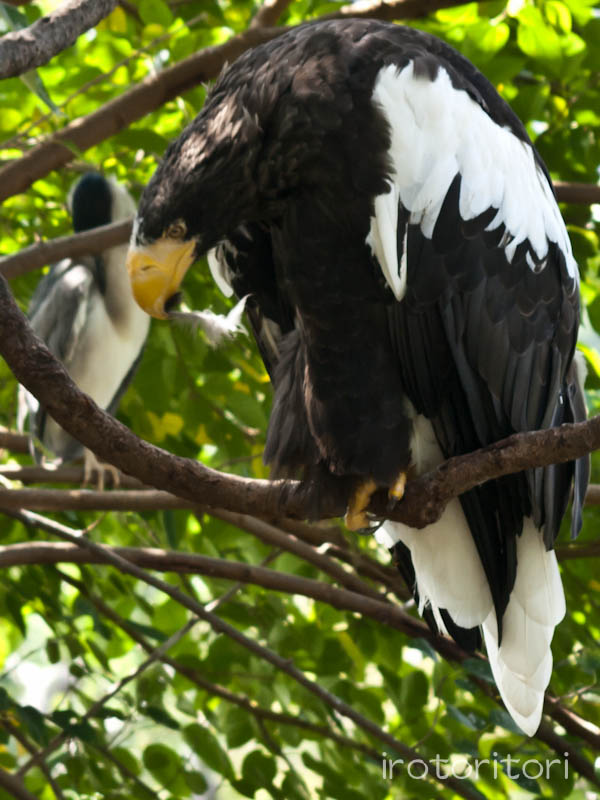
[{"x": 204, "y": 187}]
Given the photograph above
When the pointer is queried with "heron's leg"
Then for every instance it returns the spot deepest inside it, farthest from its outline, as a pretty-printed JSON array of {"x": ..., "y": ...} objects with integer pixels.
[{"x": 91, "y": 466}]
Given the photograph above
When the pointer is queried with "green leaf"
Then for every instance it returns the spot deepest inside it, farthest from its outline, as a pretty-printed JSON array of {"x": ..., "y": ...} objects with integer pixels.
[
  {"x": 155, "y": 11},
  {"x": 207, "y": 748},
  {"x": 414, "y": 691},
  {"x": 479, "y": 668},
  {"x": 238, "y": 727},
  {"x": 468, "y": 718},
  {"x": 163, "y": 762},
  {"x": 34, "y": 723},
  {"x": 159, "y": 715},
  {"x": 558, "y": 15},
  {"x": 535, "y": 38},
  {"x": 258, "y": 769}
]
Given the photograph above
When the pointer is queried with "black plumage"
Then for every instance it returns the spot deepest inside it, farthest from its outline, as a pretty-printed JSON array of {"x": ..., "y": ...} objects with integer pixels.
[{"x": 412, "y": 292}]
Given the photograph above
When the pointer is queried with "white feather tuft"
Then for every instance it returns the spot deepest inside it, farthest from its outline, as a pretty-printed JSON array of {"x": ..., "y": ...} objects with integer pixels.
[
  {"x": 219, "y": 271},
  {"x": 216, "y": 327}
]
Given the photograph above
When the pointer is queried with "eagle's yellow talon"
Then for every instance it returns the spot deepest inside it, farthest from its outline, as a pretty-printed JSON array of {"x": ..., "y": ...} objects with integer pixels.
[
  {"x": 396, "y": 491},
  {"x": 356, "y": 518}
]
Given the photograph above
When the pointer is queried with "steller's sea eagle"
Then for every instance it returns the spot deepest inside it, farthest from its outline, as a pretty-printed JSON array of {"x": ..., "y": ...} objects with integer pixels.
[
  {"x": 413, "y": 294},
  {"x": 85, "y": 313}
]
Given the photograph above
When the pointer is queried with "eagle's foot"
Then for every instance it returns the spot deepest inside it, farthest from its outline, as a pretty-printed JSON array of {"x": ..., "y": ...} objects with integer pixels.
[
  {"x": 396, "y": 490},
  {"x": 91, "y": 467},
  {"x": 356, "y": 517}
]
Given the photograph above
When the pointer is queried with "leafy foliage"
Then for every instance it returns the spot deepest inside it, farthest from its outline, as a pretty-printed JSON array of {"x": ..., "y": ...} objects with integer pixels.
[{"x": 210, "y": 713}]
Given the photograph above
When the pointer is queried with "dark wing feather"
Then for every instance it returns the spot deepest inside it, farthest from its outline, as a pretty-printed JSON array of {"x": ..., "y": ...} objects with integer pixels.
[
  {"x": 246, "y": 261},
  {"x": 484, "y": 346}
]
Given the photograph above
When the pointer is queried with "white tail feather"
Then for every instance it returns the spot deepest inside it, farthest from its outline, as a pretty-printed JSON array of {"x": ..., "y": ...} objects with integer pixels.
[
  {"x": 523, "y": 663},
  {"x": 447, "y": 567},
  {"x": 448, "y": 570},
  {"x": 449, "y": 575}
]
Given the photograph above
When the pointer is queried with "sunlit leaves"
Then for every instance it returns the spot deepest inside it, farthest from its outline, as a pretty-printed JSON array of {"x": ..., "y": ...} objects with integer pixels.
[{"x": 172, "y": 733}]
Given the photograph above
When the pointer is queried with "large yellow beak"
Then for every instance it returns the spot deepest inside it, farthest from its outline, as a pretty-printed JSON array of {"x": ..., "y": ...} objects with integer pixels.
[{"x": 157, "y": 270}]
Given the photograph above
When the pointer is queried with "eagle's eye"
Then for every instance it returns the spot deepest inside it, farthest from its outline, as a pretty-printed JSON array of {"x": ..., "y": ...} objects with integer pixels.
[{"x": 176, "y": 230}]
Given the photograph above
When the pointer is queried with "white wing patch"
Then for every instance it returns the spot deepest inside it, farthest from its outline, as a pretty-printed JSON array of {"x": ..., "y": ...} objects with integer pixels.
[{"x": 437, "y": 132}]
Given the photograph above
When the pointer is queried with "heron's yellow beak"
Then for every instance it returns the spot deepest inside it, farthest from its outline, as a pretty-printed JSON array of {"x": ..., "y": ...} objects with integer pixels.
[{"x": 157, "y": 270}]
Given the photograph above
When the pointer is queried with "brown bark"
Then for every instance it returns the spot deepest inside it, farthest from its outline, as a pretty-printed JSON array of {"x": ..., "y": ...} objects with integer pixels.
[
  {"x": 585, "y": 193},
  {"x": 151, "y": 93},
  {"x": 14, "y": 786},
  {"x": 31, "y": 47},
  {"x": 424, "y": 500},
  {"x": 78, "y": 244},
  {"x": 269, "y": 13},
  {"x": 391, "y": 10}
]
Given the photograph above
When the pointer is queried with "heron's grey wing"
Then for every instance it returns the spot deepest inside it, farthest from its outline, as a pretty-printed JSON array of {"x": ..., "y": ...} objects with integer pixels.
[
  {"x": 59, "y": 307},
  {"x": 57, "y": 313}
]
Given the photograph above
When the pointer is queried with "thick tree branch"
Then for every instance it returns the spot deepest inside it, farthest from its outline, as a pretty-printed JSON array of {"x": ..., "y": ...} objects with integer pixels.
[
  {"x": 89, "y": 500},
  {"x": 147, "y": 499},
  {"x": 77, "y": 500},
  {"x": 153, "y": 500},
  {"x": 391, "y": 10},
  {"x": 67, "y": 473},
  {"x": 573, "y": 551},
  {"x": 13, "y": 441},
  {"x": 151, "y": 93},
  {"x": 269, "y": 13},
  {"x": 31, "y": 47},
  {"x": 585, "y": 193},
  {"x": 424, "y": 500},
  {"x": 14, "y": 786}
]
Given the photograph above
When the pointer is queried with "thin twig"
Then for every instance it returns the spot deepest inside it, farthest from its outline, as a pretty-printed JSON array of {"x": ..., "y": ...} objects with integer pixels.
[
  {"x": 228, "y": 696},
  {"x": 446, "y": 648},
  {"x": 60, "y": 738},
  {"x": 78, "y": 244},
  {"x": 285, "y": 665},
  {"x": 18, "y": 734},
  {"x": 136, "y": 560}
]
